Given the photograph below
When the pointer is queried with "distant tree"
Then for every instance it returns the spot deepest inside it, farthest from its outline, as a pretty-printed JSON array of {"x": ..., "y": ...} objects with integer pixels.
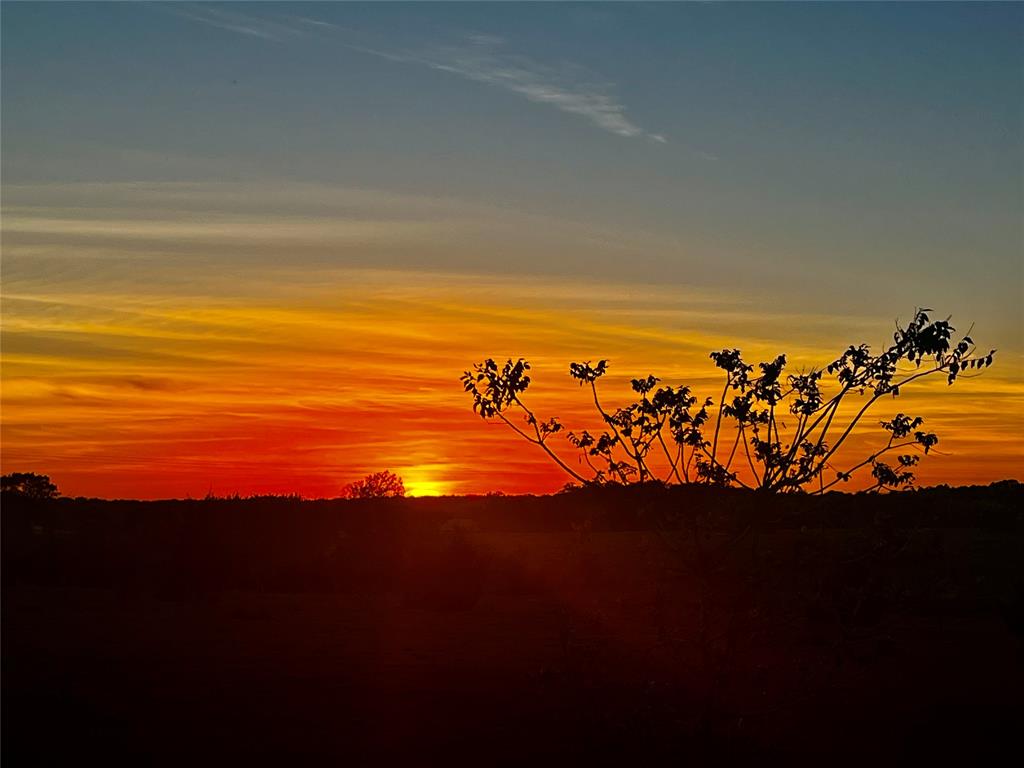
[
  {"x": 379, "y": 485},
  {"x": 788, "y": 429},
  {"x": 30, "y": 485}
]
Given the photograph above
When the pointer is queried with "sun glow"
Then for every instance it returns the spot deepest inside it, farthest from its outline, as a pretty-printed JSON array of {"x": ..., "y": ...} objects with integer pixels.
[{"x": 423, "y": 481}]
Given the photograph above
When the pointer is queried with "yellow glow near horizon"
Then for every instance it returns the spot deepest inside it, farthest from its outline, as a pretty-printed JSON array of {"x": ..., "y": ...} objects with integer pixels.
[{"x": 422, "y": 481}]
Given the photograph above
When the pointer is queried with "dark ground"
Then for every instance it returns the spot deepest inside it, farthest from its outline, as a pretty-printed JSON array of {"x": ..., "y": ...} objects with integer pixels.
[{"x": 638, "y": 627}]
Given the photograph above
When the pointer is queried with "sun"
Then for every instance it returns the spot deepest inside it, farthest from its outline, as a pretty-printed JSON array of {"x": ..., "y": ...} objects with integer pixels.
[{"x": 424, "y": 481}]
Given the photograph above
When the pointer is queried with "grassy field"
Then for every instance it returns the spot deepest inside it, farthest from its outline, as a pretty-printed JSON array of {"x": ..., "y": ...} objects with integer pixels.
[{"x": 486, "y": 632}]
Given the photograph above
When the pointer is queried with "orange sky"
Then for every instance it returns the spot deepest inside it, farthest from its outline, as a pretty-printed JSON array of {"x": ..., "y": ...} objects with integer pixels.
[{"x": 277, "y": 386}]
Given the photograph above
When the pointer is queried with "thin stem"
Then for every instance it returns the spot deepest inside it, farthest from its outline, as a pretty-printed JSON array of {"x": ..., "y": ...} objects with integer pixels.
[
  {"x": 849, "y": 429},
  {"x": 870, "y": 459},
  {"x": 750, "y": 460},
  {"x": 673, "y": 468},
  {"x": 732, "y": 453},
  {"x": 610, "y": 421},
  {"x": 540, "y": 440},
  {"x": 718, "y": 421}
]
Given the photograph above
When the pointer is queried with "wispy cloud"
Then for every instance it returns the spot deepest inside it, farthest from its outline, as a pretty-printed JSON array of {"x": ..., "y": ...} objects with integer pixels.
[
  {"x": 233, "y": 21},
  {"x": 481, "y": 58},
  {"x": 569, "y": 89}
]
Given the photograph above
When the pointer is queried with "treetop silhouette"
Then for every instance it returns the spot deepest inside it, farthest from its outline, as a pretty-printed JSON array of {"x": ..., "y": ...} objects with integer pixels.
[
  {"x": 30, "y": 485},
  {"x": 378, "y": 485},
  {"x": 786, "y": 428}
]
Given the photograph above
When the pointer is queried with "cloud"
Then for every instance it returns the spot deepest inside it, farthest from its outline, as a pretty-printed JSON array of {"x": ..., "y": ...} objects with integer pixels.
[
  {"x": 214, "y": 229},
  {"x": 225, "y": 222},
  {"x": 570, "y": 88},
  {"x": 478, "y": 57},
  {"x": 233, "y": 21}
]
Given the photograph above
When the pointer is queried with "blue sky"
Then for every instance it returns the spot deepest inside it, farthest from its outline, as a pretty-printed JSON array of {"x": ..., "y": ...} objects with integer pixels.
[
  {"x": 788, "y": 125},
  {"x": 803, "y": 137}
]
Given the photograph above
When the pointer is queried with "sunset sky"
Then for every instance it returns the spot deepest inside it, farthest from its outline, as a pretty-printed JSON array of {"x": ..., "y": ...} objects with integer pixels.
[{"x": 251, "y": 247}]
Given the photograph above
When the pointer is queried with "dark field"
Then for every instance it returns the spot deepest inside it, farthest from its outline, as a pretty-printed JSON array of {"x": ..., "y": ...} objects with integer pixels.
[{"x": 632, "y": 627}]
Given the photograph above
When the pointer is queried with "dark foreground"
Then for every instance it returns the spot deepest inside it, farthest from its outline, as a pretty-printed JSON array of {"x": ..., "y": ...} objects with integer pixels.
[{"x": 639, "y": 627}]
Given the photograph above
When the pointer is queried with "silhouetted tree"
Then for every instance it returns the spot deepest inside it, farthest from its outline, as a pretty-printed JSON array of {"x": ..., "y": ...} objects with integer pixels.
[
  {"x": 30, "y": 485},
  {"x": 670, "y": 435},
  {"x": 379, "y": 485}
]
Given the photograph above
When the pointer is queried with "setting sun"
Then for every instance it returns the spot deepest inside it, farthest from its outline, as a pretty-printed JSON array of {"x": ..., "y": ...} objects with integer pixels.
[{"x": 424, "y": 481}]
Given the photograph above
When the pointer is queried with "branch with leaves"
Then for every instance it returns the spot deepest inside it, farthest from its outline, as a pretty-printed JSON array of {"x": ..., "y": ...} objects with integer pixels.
[{"x": 669, "y": 435}]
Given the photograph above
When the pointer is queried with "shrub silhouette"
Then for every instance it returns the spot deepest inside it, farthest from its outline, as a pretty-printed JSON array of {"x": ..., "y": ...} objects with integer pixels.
[
  {"x": 378, "y": 485},
  {"x": 30, "y": 485},
  {"x": 670, "y": 435}
]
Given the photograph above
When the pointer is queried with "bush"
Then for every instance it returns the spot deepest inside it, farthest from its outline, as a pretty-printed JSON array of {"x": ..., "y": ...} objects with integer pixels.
[
  {"x": 379, "y": 485},
  {"x": 670, "y": 435},
  {"x": 29, "y": 485}
]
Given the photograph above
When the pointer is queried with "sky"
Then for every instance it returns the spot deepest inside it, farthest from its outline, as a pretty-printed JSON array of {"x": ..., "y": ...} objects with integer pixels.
[{"x": 250, "y": 247}]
